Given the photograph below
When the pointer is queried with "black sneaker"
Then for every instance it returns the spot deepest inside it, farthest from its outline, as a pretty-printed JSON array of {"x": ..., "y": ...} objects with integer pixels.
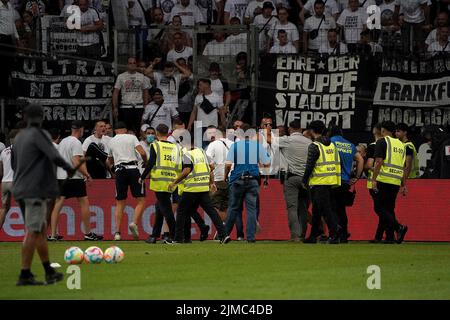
[
  {"x": 310, "y": 240},
  {"x": 333, "y": 240},
  {"x": 166, "y": 236},
  {"x": 205, "y": 233},
  {"x": 401, "y": 233},
  {"x": 323, "y": 238},
  {"x": 187, "y": 241},
  {"x": 375, "y": 241},
  {"x": 151, "y": 240},
  {"x": 225, "y": 240},
  {"x": 388, "y": 241},
  {"x": 53, "y": 278},
  {"x": 92, "y": 237},
  {"x": 51, "y": 238},
  {"x": 30, "y": 281}
]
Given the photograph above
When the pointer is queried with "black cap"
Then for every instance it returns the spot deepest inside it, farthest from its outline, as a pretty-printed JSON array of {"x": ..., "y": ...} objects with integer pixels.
[
  {"x": 155, "y": 91},
  {"x": 214, "y": 66},
  {"x": 120, "y": 125},
  {"x": 77, "y": 124},
  {"x": 268, "y": 4}
]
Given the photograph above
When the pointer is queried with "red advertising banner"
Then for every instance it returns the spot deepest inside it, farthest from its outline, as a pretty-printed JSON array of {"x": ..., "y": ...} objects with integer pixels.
[{"x": 426, "y": 210}]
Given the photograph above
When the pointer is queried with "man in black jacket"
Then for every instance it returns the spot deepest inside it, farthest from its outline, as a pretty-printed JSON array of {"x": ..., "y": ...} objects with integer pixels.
[{"x": 33, "y": 161}]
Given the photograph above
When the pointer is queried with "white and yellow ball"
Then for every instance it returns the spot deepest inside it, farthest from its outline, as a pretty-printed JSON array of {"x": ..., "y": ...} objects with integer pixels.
[
  {"x": 74, "y": 255},
  {"x": 93, "y": 255},
  {"x": 113, "y": 255}
]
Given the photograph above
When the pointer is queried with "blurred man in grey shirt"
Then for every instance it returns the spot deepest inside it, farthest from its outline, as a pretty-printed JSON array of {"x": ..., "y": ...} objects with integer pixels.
[{"x": 294, "y": 148}]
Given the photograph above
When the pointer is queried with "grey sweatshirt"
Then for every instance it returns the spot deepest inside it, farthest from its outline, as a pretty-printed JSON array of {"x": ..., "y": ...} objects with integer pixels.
[{"x": 33, "y": 160}]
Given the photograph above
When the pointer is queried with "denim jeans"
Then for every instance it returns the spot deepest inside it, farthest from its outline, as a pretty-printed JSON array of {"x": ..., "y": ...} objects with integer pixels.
[{"x": 241, "y": 190}]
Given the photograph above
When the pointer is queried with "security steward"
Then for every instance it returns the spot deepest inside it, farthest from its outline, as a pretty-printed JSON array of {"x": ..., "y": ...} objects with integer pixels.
[
  {"x": 294, "y": 148},
  {"x": 388, "y": 179},
  {"x": 164, "y": 166},
  {"x": 322, "y": 173},
  {"x": 412, "y": 169},
  {"x": 198, "y": 181}
]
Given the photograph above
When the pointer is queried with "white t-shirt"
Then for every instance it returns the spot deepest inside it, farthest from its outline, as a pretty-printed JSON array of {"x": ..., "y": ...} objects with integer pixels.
[
  {"x": 60, "y": 172},
  {"x": 288, "y": 48},
  {"x": 203, "y": 6},
  {"x": 262, "y": 22},
  {"x": 5, "y": 159},
  {"x": 250, "y": 11},
  {"x": 168, "y": 86},
  {"x": 173, "y": 55},
  {"x": 353, "y": 24},
  {"x": 236, "y": 8},
  {"x": 123, "y": 148},
  {"x": 325, "y": 48},
  {"x": 167, "y": 6},
  {"x": 136, "y": 15},
  {"x": 132, "y": 86},
  {"x": 165, "y": 114},
  {"x": 217, "y": 154},
  {"x": 237, "y": 43},
  {"x": 432, "y": 37},
  {"x": 190, "y": 15},
  {"x": 436, "y": 47},
  {"x": 2, "y": 146},
  {"x": 331, "y": 7},
  {"x": 102, "y": 143},
  {"x": 69, "y": 148},
  {"x": 219, "y": 87},
  {"x": 290, "y": 28},
  {"x": 412, "y": 12},
  {"x": 312, "y": 23},
  {"x": 90, "y": 17},
  {"x": 212, "y": 118},
  {"x": 215, "y": 48}
]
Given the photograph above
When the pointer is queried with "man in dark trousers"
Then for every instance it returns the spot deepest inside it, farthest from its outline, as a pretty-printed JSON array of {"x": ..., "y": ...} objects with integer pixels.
[
  {"x": 34, "y": 161},
  {"x": 388, "y": 179},
  {"x": 322, "y": 174}
]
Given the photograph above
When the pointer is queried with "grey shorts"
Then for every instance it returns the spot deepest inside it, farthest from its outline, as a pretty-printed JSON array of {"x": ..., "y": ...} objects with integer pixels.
[
  {"x": 34, "y": 211},
  {"x": 6, "y": 192}
]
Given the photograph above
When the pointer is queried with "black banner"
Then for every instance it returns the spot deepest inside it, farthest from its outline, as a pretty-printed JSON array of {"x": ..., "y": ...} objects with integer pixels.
[
  {"x": 327, "y": 88},
  {"x": 68, "y": 89}
]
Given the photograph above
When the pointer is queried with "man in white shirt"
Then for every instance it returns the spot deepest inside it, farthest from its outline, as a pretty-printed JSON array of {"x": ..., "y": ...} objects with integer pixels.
[
  {"x": 71, "y": 150},
  {"x": 180, "y": 50},
  {"x": 159, "y": 112},
  {"x": 316, "y": 28},
  {"x": 235, "y": 8},
  {"x": 441, "y": 21},
  {"x": 218, "y": 46},
  {"x": 415, "y": 17},
  {"x": 283, "y": 46},
  {"x": 190, "y": 14},
  {"x": 133, "y": 87},
  {"x": 331, "y": 9},
  {"x": 168, "y": 81},
  {"x": 254, "y": 8},
  {"x": 353, "y": 21},
  {"x": 96, "y": 148},
  {"x": 88, "y": 38},
  {"x": 6, "y": 178},
  {"x": 207, "y": 112},
  {"x": 122, "y": 153},
  {"x": 237, "y": 41},
  {"x": 217, "y": 154},
  {"x": 167, "y": 6},
  {"x": 284, "y": 24},
  {"x": 219, "y": 85},
  {"x": 442, "y": 45},
  {"x": 332, "y": 46},
  {"x": 264, "y": 23}
]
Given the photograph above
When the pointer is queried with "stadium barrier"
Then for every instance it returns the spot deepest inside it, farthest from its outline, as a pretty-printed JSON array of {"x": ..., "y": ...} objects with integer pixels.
[{"x": 426, "y": 210}]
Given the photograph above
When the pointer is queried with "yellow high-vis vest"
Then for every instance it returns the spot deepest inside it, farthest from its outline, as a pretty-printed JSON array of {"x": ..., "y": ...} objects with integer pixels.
[
  {"x": 415, "y": 170},
  {"x": 370, "y": 172},
  {"x": 327, "y": 170},
  {"x": 198, "y": 178},
  {"x": 167, "y": 167},
  {"x": 392, "y": 169}
]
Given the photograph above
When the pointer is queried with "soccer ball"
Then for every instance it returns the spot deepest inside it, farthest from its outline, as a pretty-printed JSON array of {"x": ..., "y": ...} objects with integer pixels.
[
  {"x": 93, "y": 255},
  {"x": 113, "y": 255},
  {"x": 74, "y": 255}
]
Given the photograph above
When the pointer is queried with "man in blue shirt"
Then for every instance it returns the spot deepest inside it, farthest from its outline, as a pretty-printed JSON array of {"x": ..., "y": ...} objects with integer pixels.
[
  {"x": 246, "y": 155},
  {"x": 348, "y": 154}
]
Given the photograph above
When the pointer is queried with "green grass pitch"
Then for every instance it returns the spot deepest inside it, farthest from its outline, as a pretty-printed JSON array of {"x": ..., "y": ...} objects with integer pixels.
[{"x": 265, "y": 270}]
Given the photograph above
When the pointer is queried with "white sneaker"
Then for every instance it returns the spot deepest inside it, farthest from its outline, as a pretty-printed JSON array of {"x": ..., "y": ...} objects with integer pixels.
[
  {"x": 116, "y": 236},
  {"x": 134, "y": 230}
]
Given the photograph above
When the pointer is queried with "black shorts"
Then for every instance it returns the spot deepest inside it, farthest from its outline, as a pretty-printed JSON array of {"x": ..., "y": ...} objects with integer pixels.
[
  {"x": 129, "y": 177},
  {"x": 73, "y": 188}
]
